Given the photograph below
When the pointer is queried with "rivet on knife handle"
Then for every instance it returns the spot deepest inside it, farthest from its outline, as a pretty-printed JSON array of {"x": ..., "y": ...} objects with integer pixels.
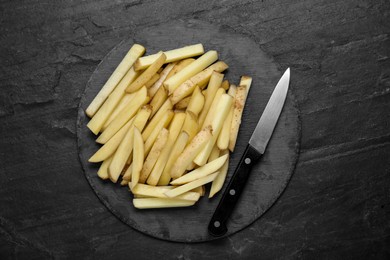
[{"x": 217, "y": 225}]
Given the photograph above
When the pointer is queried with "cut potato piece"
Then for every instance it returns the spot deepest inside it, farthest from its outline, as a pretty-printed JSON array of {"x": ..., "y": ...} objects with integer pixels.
[
  {"x": 223, "y": 138},
  {"x": 158, "y": 192},
  {"x": 124, "y": 149},
  {"x": 122, "y": 104},
  {"x": 134, "y": 53},
  {"x": 223, "y": 110},
  {"x": 190, "y": 125},
  {"x": 239, "y": 104},
  {"x": 147, "y": 74},
  {"x": 153, "y": 155},
  {"x": 196, "y": 102},
  {"x": 200, "y": 190},
  {"x": 157, "y": 117},
  {"x": 179, "y": 66},
  {"x": 200, "y": 79},
  {"x": 138, "y": 157},
  {"x": 163, "y": 75},
  {"x": 195, "y": 67},
  {"x": 183, "y": 104},
  {"x": 164, "y": 122},
  {"x": 191, "y": 151},
  {"x": 124, "y": 116},
  {"x": 214, "y": 153},
  {"x": 110, "y": 147},
  {"x": 171, "y": 55},
  {"x": 214, "y": 84},
  {"x": 155, "y": 203},
  {"x": 247, "y": 82},
  {"x": 103, "y": 170},
  {"x": 97, "y": 121},
  {"x": 158, "y": 100},
  {"x": 212, "y": 110},
  {"x": 200, "y": 172},
  {"x": 129, "y": 171},
  {"x": 191, "y": 185},
  {"x": 220, "y": 179},
  {"x": 153, "y": 80},
  {"x": 174, "y": 130},
  {"x": 177, "y": 149},
  {"x": 225, "y": 84}
]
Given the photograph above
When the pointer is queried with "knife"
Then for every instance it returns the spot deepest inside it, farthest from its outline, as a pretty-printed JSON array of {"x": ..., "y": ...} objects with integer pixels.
[{"x": 253, "y": 152}]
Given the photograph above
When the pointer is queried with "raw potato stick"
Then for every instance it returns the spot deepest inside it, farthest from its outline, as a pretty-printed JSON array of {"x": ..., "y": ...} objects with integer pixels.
[
  {"x": 191, "y": 185},
  {"x": 197, "y": 66},
  {"x": 191, "y": 151},
  {"x": 157, "y": 117},
  {"x": 223, "y": 110},
  {"x": 179, "y": 66},
  {"x": 158, "y": 192},
  {"x": 124, "y": 116},
  {"x": 225, "y": 84},
  {"x": 223, "y": 138},
  {"x": 103, "y": 170},
  {"x": 190, "y": 125},
  {"x": 246, "y": 81},
  {"x": 172, "y": 55},
  {"x": 127, "y": 175},
  {"x": 97, "y": 121},
  {"x": 183, "y": 104},
  {"x": 124, "y": 149},
  {"x": 158, "y": 100},
  {"x": 220, "y": 179},
  {"x": 239, "y": 104},
  {"x": 177, "y": 149},
  {"x": 214, "y": 84},
  {"x": 147, "y": 74},
  {"x": 200, "y": 79},
  {"x": 138, "y": 157},
  {"x": 134, "y": 53},
  {"x": 196, "y": 102},
  {"x": 214, "y": 153},
  {"x": 174, "y": 130},
  {"x": 153, "y": 80},
  {"x": 163, "y": 123},
  {"x": 200, "y": 172},
  {"x": 122, "y": 104},
  {"x": 110, "y": 147},
  {"x": 153, "y": 155},
  {"x": 155, "y": 203},
  {"x": 163, "y": 75},
  {"x": 212, "y": 110}
]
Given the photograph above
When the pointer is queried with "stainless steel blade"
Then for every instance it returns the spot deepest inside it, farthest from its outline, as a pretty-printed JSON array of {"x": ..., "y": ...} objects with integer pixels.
[{"x": 269, "y": 118}]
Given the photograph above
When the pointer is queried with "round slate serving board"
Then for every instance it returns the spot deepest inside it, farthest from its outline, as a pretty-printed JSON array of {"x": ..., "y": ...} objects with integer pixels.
[{"x": 269, "y": 177}]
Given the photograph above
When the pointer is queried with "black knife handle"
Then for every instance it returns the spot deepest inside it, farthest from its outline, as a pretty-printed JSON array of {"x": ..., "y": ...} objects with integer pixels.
[{"x": 217, "y": 225}]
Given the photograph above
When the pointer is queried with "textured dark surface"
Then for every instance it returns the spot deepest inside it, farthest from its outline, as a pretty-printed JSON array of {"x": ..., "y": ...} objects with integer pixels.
[
  {"x": 269, "y": 177},
  {"x": 337, "y": 205}
]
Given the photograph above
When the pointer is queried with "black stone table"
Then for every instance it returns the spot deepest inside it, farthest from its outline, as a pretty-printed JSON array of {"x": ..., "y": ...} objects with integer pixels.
[{"x": 337, "y": 204}]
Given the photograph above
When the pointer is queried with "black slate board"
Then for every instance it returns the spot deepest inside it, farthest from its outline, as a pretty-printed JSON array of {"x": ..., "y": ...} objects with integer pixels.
[{"x": 268, "y": 179}]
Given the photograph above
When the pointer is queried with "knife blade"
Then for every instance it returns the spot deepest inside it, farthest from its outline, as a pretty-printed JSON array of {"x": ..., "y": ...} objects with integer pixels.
[{"x": 253, "y": 152}]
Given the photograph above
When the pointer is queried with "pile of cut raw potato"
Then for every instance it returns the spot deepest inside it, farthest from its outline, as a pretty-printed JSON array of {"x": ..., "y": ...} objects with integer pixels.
[{"x": 167, "y": 122}]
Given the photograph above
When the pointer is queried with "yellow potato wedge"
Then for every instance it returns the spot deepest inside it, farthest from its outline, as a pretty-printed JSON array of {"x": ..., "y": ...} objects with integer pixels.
[
  {"x": 179, "y": 66},
  {"x": 223, "y": 138},
  {"x": 163, "y": 123},
  {"x": 103, "y": 170},
  {"x": 158, "y": 192},
  {"x": 200, "y": 79},
  {"x": 195, "y": 67},
  {"x": 239, "y": 104},
  {"x": 110, "y": 147},
  {"x": 191, "y": 151},
  {"x": 158, "y": 100},
  {"x": 124, "y": 149},
  {"x": 214, "y": 153},
  {"x": 153, "y": 80},
  {"x": 220, "y": 179},
  {"x": 223, "y": 109},
  {"x": 202, "y": 171},
  {"x": 212, "y": 110},
  {"x": 196, "y": 102},
  {"x": 147, "y": 74},
  {"x": 214, "y": 84},
  {"x": 124, "y": 116},
  {"x": 225, "y": 84},
  {"x": 153, "y": 155},
  {"x": 163, "y": 75},
  {"x": 134, "y": 53},
  {"x": 183, "y": 104},
  {"x": 172, "y": 55},
  {"x": 157, "y": 117},
  {"x": 156, "y": 203},
  {"x": 174, "y": 130},
  {"x": 138, "y": 157},
  {"x": 97, "y": 121},
  {"x": 191, "y": 185},
  {"x": 121, "y": 105}
]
